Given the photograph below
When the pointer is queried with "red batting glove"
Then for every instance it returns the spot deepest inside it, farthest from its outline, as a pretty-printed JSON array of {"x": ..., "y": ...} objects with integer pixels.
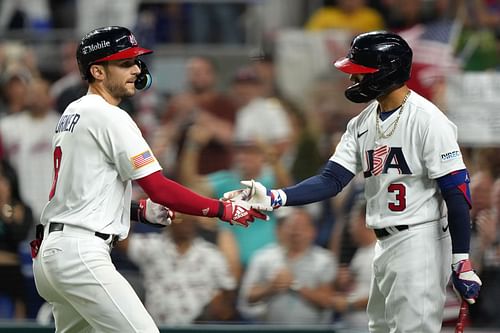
[{"x": 240, "y": 212}]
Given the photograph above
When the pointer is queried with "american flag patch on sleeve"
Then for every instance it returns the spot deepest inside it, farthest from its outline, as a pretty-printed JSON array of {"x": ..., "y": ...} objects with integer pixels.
[{"x": 144, "y": 158}]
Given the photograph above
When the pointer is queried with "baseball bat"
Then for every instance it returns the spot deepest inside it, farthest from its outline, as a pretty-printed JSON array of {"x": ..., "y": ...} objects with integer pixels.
[{"x": 462, "y": 317}]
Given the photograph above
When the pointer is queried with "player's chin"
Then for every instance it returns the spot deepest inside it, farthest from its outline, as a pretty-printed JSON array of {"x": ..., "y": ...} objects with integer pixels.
[{"x": 129, "y": 90}]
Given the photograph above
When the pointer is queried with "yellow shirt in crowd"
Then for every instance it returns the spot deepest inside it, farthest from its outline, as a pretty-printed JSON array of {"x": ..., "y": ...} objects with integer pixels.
[{"x": 362, "y": 20}]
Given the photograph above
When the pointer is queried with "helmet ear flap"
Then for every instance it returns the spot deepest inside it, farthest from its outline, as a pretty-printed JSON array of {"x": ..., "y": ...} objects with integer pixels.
[{"x": 144, "y": 79}]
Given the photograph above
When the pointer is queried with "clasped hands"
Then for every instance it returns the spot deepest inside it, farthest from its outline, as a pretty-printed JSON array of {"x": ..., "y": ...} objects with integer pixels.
[
  {"x": 257, "y": 196},
  {"x": 239, "y": 207},
  {"x": 247, "y": 203}
]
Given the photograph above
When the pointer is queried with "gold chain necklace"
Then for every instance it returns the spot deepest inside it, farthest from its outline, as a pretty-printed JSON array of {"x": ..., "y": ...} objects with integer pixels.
[{"x": 382, "y": 134}]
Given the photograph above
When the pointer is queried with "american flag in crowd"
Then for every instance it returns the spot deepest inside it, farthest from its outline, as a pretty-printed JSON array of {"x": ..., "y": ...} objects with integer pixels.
[
  {"x": 142, "y": 159},
  {"x": 433, "y": 46},
  {"x": 434, "y": 43}
]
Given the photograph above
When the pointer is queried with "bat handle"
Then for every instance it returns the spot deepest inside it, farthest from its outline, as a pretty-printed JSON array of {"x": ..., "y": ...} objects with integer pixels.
[{"x": 462, "y": 317}]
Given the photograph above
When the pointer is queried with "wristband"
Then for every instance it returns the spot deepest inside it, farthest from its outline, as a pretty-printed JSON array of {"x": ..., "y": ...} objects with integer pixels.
[
  {"x": 135, "y": 211},
  {"x": 457, "y": 257},
  {"x": 220, "y": 211},
  {"x": 278, "y": 198}
]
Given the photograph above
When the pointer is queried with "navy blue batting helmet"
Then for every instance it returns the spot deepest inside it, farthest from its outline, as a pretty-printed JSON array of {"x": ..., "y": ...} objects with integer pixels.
[
  {"x": 105, "y": 44},
  {"x": 384, "y": 58}
]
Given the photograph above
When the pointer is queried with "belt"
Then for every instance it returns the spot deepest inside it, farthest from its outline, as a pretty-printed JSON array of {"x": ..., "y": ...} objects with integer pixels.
[
  {"x": 54, "y": 226},
  {"x": 384, "y": 232}
]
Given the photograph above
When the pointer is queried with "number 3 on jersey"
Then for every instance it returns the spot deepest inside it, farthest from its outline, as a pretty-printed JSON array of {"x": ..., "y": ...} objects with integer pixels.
[
  {"x": 57, "y": 165},
  {"x": 400, "y": 195}
]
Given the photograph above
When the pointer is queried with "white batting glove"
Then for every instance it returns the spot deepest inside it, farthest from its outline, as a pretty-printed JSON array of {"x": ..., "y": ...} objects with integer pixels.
[
  {"x": 155, "y": 214},
  {"x": 258, "y": 196}
]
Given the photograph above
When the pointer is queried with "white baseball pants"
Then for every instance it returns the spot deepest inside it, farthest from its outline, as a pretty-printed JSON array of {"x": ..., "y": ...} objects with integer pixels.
[
  {"x": 410, "y": 271},
  {"x": 74, "y": 273}
]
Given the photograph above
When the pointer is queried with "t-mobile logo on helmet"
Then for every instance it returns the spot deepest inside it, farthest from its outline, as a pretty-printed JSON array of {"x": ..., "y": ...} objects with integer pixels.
[{"x": 96, "y": 46}]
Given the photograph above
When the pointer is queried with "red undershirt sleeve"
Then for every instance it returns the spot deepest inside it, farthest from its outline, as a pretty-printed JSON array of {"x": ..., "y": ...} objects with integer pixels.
[{"x": 177, "y": 197}]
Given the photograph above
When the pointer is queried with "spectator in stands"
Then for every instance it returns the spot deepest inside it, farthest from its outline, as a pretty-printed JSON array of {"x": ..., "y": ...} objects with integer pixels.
[
  {"x": 486, "y": 312},
  {"x": 18, "y": 57},
  {"x": 487, "y": 162},
  {"x": 402, "y": 14},
  {"x": 352, "y": 15},
  {"x": 250, "y": 161},
  {"x": 14, "y": 83},
  {"x": 478, "y": 45},
  {"x": 259, "y": 117},
  {"x": 15, "y": 222},
  {"x": 483, "y": 13},
  {"x": 288, "y": 283},
  {"x": 26, "y": 137},
  {"x": 70, "y": 85},
  {"x": 203, "y": 105},
  {"x": 485, "y": 188},
  {"x": 352, "y": 286},
  {"x": 186, "y": 278},
  {"x": 302, "y": 148},
  {"x": 265, "y": 68},
  {"x": 27, "y": 14}
]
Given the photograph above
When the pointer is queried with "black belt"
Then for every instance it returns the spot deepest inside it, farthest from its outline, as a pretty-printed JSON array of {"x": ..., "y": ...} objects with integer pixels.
[
  {"x": 60, "y": 226},
  {"x": 384, "y": 232}
]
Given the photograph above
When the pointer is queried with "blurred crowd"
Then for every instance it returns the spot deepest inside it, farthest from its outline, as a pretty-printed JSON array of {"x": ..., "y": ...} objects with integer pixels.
[{"x": 306, "y": 265}]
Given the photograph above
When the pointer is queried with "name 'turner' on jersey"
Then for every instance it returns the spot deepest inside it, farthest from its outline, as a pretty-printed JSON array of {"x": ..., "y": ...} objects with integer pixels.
[{"x": 67, "y": 123}]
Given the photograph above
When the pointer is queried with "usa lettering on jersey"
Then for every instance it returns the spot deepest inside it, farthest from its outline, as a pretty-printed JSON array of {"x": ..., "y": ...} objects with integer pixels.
[
  {"x": 383, "y": 158},
  {"x": 67, "y": 123}
]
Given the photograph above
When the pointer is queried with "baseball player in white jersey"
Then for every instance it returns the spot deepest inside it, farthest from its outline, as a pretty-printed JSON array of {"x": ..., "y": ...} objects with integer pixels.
[
  {"x": 407, "y": 150},
  {"x": 98, "y": 150}
]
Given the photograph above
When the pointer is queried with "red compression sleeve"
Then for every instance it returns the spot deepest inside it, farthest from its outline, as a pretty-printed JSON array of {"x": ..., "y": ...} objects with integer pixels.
[{"x": 177, "y": 197}]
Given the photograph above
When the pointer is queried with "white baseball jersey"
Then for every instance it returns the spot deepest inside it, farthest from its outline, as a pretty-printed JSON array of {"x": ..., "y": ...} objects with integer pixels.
[
  {"x": 98, "y": 150},
  {"x": 400, "y": 170}
]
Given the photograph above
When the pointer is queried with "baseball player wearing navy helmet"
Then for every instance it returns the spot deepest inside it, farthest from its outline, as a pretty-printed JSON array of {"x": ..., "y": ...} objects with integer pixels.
[
  {"x": 416, "y": 187},
  {"x": 98, "y": 151}
]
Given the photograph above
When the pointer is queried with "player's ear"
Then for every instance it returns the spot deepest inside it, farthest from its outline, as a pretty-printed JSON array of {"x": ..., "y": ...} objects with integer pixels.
[{"x": 97, "y": 71}]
